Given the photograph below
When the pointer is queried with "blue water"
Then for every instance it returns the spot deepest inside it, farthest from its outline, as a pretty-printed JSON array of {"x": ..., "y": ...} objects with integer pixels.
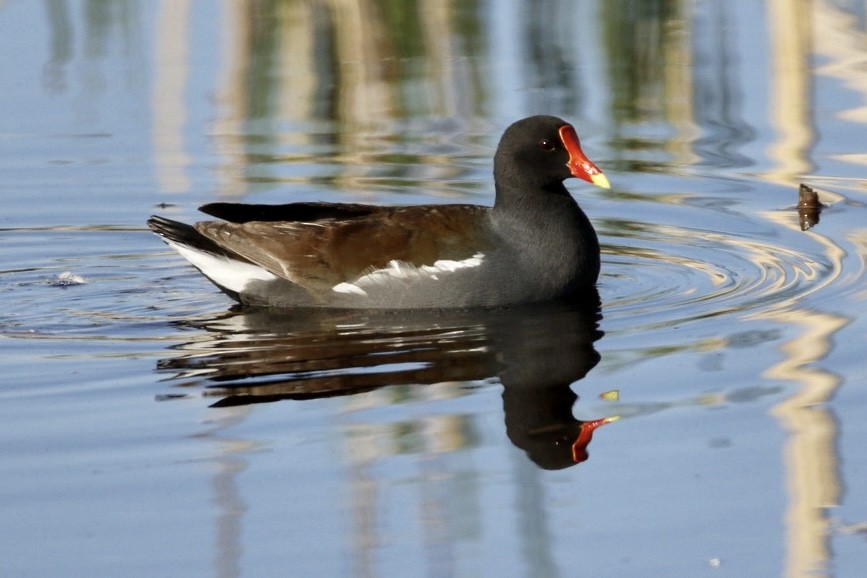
[{"x": 149, "y": 428}]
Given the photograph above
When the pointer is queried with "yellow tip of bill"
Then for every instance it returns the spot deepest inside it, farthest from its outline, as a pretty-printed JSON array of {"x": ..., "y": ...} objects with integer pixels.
[{"x": 600, "y": 180}]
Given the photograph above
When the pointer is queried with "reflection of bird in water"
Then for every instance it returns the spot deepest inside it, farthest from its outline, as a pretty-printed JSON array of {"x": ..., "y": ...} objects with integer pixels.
[
  {"x": 540, "y": 422},
  {"x": 536, "y": 352}
]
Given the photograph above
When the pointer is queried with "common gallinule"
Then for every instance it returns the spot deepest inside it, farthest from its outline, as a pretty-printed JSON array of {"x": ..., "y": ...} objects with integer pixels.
[{"x": 534, "y": 244}]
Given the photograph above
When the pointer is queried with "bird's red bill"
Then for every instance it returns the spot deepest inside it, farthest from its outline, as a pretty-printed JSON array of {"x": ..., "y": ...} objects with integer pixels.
[{"x": 579, "y": 165}]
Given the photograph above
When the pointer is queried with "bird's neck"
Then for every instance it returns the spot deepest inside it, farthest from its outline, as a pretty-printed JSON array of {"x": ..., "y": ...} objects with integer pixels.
[
  {"x": 546, "y": 203},
  {"x": 548, "y": 226}
]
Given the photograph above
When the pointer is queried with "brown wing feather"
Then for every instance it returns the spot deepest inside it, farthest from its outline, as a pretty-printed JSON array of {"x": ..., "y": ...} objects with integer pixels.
[{"x": 319, "y": 255}]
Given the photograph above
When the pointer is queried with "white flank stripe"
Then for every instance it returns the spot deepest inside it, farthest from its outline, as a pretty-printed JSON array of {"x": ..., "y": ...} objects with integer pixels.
[
  {"x": 401, "y": 271},
  {"x": 348, "y": 288},
  {"x": 229, "y": 273},
  {"x": 447, "y": 266}
]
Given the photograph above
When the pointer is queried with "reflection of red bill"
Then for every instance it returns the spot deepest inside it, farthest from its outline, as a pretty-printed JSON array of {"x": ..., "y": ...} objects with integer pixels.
[{"x": 579, "y": 448}]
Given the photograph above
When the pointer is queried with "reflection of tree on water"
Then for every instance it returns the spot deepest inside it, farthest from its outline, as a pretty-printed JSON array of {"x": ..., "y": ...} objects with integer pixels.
[{"x": 535, "y": 352}]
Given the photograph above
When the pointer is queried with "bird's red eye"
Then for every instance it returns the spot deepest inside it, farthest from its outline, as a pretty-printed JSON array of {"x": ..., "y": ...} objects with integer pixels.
[{"x": 546, "y": 145}]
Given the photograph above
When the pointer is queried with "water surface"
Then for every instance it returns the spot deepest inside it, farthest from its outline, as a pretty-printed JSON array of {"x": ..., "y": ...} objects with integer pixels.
[{"x": 150, "y": 428}]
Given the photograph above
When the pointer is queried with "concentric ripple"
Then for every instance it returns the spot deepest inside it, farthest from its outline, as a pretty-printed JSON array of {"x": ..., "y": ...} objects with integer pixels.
[{"x": 664, "y": 276}]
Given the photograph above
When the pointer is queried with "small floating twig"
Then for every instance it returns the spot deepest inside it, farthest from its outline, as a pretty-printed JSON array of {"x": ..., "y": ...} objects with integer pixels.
[{"x": 809, "y": 207}]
